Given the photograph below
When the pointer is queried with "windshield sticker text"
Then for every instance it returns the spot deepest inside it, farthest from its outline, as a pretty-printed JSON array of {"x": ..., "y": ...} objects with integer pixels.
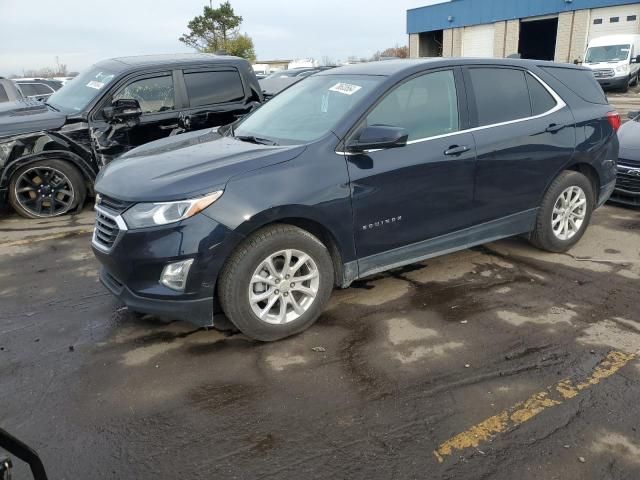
[{"x": 345, "y": 88}]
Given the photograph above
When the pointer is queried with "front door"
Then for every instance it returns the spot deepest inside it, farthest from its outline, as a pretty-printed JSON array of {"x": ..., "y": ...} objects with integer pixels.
[
  {"x": 402, "y": 196},
  {"x": 156, "y": 95}
]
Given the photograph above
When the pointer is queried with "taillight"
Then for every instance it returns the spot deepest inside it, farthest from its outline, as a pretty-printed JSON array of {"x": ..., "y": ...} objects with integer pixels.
[{"x": 614, "y": 120}]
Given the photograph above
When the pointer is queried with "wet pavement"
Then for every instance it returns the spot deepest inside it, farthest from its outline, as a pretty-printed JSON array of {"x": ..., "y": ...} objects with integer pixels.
[{"x": 498, "y": 362}]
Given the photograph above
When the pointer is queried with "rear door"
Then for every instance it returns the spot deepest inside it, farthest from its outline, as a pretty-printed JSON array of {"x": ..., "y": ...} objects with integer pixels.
[
  {"x": 405, "y": 195},
  {"x": 215, "y": 96},
  {"x": 524, "y": 133}
]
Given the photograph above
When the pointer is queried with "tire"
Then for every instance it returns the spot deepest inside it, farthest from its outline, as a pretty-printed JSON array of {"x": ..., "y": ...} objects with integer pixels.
[
  {"x": 45, "y": 189},
  {"x": 236, "y": 289},
  {"x": 549, "y": 233}
]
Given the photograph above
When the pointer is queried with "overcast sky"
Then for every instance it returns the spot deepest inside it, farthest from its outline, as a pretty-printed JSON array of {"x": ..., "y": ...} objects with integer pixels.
[{"x": 81, "y": 32}]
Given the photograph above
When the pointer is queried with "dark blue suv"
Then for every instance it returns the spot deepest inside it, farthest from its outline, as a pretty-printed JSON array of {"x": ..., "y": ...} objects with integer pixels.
[{"x": 351, "y": 172}]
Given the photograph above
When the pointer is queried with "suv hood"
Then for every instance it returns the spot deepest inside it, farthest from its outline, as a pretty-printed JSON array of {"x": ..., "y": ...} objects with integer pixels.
[
  {"x": 26, "y": 116},
  {"x": 185, "y": 166}
]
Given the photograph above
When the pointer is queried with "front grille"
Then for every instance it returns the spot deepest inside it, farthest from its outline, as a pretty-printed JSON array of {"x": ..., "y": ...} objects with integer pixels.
[
  {"x": 106, "y": 231},
  {"x": 113, "y": 204},
  {"x": 628, "y": 179},
  {"x": 604, "y": 73}
]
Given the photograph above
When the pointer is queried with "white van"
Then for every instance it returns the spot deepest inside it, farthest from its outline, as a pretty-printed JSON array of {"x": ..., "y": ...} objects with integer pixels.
[{"x": 615, "y": 60}]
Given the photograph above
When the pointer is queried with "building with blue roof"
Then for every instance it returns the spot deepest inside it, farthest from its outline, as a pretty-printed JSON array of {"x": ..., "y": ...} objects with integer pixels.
[{"x": 542, "y": 29}]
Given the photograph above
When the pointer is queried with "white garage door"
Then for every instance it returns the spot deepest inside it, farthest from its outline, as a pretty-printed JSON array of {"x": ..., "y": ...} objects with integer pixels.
[
  {"x": 614, "y": 21},
  {"x": 478, "y": 41}
]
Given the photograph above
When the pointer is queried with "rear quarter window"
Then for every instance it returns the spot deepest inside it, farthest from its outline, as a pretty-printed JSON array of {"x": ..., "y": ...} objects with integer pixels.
[{"x": 581, "y": 82}]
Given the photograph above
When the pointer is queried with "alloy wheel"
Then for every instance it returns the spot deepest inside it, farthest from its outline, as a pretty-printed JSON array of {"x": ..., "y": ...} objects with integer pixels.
[
  {"x": 569, "y": 213},
  {"x": 44, "y": 191},
  {"x": 284, "y": 286}
]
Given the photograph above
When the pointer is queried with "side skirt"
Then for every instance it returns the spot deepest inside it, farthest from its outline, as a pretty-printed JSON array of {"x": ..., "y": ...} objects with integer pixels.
[{"x": 510, "y": 226}]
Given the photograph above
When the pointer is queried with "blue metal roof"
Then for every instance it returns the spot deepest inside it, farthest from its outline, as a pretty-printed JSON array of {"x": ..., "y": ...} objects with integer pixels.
[{"x": 477, "y": 12}]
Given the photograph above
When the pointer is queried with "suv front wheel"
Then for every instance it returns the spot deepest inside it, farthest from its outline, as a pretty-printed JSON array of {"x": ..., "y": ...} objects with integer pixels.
[
  {"x": 276, "y": 283},
  {"x": 48, "y": 188},
  {"x": 565, "y": 213}
]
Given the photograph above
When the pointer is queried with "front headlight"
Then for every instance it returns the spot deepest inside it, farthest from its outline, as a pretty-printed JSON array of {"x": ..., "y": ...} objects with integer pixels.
[
  {"x": 622, "y": 69},
  {"x": 143, "y": 215}
]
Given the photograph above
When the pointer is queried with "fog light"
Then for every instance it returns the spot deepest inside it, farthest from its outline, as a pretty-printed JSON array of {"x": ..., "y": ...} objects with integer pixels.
[{"x": 174, "y": 275}]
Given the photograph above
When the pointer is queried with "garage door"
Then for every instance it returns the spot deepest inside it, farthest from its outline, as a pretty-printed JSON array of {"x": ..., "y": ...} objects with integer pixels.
[
  {"x": 614, "y": 21},
  {"x": 478, "y": 41}
]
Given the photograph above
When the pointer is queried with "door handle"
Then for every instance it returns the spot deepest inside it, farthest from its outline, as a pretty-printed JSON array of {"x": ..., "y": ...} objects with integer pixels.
[
  {"x": 169, "y": 127},
  {"x": 554, "y": 127},
  {"x": 456, "y": 150}
]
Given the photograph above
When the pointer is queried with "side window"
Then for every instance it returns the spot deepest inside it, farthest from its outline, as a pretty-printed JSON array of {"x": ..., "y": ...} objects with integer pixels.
[
  {"x": 207, "y": 88},
  {"x": 3, "y": 94},
  {"x": 541, "y": 100},
  {"x": 501, "y": 95},
  {"x": 28, "y": 89},
  {"x": 42, "y": 89},
  {"x": 154, "y": 94},
  {"x": 425, "y": 106}
]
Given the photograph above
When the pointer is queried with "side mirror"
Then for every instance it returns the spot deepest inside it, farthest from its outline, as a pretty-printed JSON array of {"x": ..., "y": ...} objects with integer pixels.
[
  {"x": 633, "y": 115},
  {"x": 122, "y": 109},
  {"x": 376, "y": 137},
  {"x": 635, "y": 59}
]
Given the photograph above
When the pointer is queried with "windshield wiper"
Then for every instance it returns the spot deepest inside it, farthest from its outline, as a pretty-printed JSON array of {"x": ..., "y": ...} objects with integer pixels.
[
  {"x": 254, "y": 139},
  {"x": 49, "y": 105}
]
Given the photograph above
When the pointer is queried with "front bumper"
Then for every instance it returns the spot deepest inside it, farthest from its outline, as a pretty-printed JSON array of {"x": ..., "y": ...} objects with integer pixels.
[
  {"x": 132, "y": 267},
  {"x": 198, "y": 311},
  {"x": 614, "y": 82}
]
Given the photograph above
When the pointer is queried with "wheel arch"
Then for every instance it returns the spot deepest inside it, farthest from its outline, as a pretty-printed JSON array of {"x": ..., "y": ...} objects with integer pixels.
[
  {"x": 304, "y": 219},
  {"x": 88, "y": 174},
  {"x": 591, "y": 173}
]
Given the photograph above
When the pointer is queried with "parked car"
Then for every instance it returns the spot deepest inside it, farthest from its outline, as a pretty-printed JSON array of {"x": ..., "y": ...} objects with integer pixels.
[
  {"x": 51, "y": 152},
  {"x": 38, "y": 88},
  {"x": 9, "y": 92},
  {"x": 628, "y": 185},
  {"x": 352, "y": 172},
  {"x": 615, "y": 60}
]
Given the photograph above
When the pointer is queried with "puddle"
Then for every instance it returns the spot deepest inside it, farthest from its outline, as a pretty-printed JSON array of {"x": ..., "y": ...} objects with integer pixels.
[
  {"x": 402, "y": 330},
  {"x": 611, "y": 334},
  {"x": 554, "y": 316},
  {"x": 281, "y": 362},
  {"x": 617, "y": 445}
]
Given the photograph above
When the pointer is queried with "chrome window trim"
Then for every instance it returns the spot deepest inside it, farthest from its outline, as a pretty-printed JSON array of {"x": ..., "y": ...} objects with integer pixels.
[
  {"x": 122, "y": 226},
  {"x": 560, "y": 104}
]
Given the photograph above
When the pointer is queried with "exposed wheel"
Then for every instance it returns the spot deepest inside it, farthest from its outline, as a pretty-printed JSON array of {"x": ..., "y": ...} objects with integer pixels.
[
  {"x": 276, "y": 283},
  {"x": 565, "y": 212},
  {"x": 48, "y": 188}
]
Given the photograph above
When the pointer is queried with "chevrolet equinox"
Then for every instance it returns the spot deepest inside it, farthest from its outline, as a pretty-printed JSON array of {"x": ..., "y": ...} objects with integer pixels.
[{"x": 351, "y": 172}]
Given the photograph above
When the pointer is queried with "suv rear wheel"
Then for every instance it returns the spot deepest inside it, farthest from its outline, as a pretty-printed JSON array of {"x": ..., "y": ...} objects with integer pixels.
[
  {"x": 565, "y": 212},
  {"x": 276, "y": 283},
  {"x": 48, "y": 188}
]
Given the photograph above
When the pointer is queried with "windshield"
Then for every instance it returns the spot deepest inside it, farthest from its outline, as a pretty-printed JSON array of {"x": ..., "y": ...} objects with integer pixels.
[
  {"x": 608, "y": 53},
  {"x": 76, "y": 94},
  {"x": 308, "y": 110}
]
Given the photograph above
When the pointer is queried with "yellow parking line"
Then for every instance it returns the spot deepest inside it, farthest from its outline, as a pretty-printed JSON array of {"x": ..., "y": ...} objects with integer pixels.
[
  {"x": 42, "y": 238},
  {"x": 537, "y": 403}
]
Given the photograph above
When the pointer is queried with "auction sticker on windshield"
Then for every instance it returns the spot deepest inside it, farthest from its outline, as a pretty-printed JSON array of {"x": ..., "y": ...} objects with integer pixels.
[
  {"x": 95, "y": 84},
  {"x": 345, "y": 88}
]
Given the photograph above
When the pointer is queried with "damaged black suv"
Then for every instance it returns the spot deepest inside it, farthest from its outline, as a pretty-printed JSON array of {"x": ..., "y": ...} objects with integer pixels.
[{"x": 51, "y": 152}]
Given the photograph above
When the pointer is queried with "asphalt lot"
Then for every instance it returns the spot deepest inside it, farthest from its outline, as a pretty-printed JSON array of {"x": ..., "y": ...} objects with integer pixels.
[{"x": 497, "y": 362}]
